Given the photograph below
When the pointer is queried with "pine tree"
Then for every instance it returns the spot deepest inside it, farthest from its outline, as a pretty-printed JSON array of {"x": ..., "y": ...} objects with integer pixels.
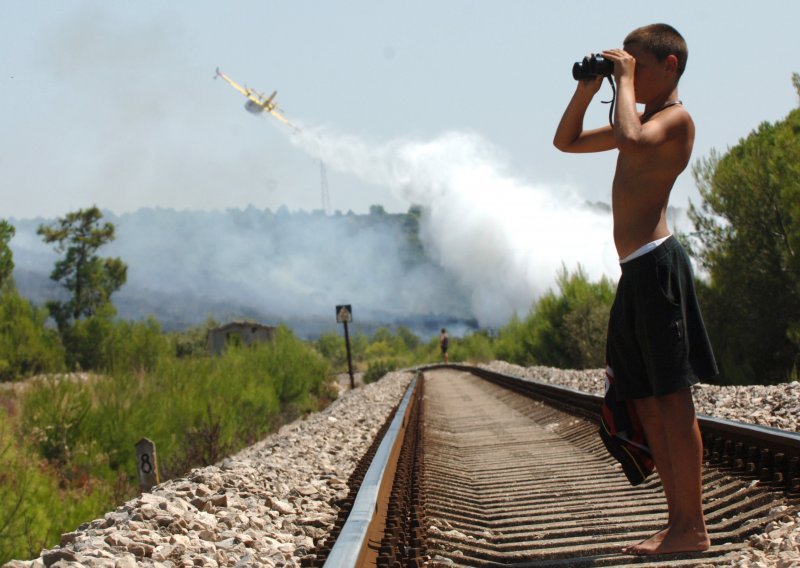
[
  {"x": 90, "y": 279},
  {"x": 748, "y": 228}
]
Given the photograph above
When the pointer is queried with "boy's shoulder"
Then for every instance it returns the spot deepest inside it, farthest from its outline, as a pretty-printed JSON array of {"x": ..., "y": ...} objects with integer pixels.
[
  {"x": 676, "y": 104},
  {"x": 670, "y": 122}
]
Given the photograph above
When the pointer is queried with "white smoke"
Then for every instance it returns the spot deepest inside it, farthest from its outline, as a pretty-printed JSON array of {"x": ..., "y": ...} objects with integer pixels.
[{"x": 503, "y": 238}]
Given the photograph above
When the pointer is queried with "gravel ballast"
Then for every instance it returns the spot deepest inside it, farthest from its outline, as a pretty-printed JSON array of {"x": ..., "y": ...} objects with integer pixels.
[{"x": 270, "y": 504}]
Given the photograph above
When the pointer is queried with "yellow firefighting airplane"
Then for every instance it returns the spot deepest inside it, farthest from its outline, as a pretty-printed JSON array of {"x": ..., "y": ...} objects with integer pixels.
[{"x": 257, "y": 102}]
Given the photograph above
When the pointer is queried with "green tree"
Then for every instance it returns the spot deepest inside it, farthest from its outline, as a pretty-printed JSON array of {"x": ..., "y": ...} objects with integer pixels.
[
  {"x": 331, "y": 346},
  {"x": 513, "y": 343},
  {"x": 6, "y": 257},
  {"x": 194, "y": 340},
  {"x": 409, "y": 340},
  {"x": 748, "y": 241},
  {"x": 27, "y": 347},
  {"x": 90, "y": 279},
  {"x": 569, "y": 329},
  {"x": 474, "y": 347},
  {"x": 565, "y": 329}
]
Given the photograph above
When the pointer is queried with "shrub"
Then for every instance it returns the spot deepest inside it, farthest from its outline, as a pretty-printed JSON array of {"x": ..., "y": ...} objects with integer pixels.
[
  {"x": 331, "y": 345},
  {"x": 198, "y": 409},
  {"x": 86, "y": 340},
  {"x": 136, "y": 346},
  {"x": 409, "y": 340},
  {"x": 514, "y": 343},
  {"x": 379, "y": 350},
  {"x": 54, "y": 410},
  {"x": 36, "y": 505},
  {"x": 101, "y": 343},
  {"x": 27, "y": 346},
  {"x": 377, "y": 369},
  {"x": 193, "y": 341},
  {"x": 565, "y": 329},
  {"x": 474, "y": 347}
]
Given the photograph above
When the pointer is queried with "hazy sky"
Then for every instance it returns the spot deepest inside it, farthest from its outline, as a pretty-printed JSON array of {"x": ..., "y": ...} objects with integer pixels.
[{"x": 113, "y": 103}]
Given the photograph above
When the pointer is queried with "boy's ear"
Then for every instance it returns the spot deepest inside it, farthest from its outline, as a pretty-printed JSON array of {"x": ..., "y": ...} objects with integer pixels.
[{"x": 671, "y": 63}]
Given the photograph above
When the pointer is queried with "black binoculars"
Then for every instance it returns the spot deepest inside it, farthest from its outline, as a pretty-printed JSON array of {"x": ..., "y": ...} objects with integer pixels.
[{"x": 592, "y": 66}]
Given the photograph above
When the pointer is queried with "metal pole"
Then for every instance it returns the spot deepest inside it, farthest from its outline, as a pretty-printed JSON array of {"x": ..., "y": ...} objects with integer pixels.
[{"x": 349, "y": 359}]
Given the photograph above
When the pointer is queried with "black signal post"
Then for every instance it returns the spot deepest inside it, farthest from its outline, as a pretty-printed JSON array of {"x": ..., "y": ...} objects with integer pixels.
[{"x": 344, "y": 315}]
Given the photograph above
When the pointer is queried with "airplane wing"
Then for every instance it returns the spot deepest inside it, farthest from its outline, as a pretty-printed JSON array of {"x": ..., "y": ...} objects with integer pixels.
[
  {"x": 258, "y": 102},
  {"x": 258, "y": 98},
  {"x": 283, "y": 119},
  {"x": 234, "y": 84}
]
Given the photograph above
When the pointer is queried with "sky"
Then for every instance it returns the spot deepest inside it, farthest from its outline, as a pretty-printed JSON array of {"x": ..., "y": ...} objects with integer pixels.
[{"x": 114, "y": 103}]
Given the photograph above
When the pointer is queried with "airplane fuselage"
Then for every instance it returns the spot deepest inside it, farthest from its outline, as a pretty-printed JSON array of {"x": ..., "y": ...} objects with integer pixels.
[{"x": 253, "y": 107}]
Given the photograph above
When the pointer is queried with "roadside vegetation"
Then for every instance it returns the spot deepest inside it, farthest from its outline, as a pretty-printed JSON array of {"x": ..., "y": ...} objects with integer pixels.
[
  {"x": 79, "y": 394},
  {"x": 66, "y": 440}
]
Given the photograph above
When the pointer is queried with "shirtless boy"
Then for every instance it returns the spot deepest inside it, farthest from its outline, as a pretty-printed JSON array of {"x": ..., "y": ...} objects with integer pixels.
[{"x": 657, "y": 344}]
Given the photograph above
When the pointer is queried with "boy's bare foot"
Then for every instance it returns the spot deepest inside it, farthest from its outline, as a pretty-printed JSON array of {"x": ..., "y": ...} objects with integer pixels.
[
  {"x": 649, "y": 542},
  {"x": 674, "y": 540}
]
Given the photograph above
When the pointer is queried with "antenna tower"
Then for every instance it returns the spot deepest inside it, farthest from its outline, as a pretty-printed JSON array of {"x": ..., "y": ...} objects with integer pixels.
[{"x": 326, "y": 196}]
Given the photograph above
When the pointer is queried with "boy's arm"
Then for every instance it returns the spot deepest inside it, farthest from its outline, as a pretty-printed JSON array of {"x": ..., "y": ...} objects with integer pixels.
[
  {"x": 570, "y": 135},
  {"x": 629, "y": 132}
]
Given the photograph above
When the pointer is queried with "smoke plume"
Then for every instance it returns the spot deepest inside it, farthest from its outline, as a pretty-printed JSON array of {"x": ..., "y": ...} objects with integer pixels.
[{"x": 504, "y": 239}]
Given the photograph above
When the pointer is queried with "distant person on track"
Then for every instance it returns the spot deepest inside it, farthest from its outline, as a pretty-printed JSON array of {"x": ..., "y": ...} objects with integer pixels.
[
  {"x": 657, "y": 345},
  {"x": 444, "y": 342}
]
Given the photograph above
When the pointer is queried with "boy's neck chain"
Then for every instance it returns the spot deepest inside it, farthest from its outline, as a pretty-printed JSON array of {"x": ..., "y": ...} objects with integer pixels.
[{"x": 648, "y": 115}]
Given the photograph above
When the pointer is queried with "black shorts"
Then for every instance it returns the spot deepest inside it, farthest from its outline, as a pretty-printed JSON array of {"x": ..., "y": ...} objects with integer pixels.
[{"x": 657, "y": 343}]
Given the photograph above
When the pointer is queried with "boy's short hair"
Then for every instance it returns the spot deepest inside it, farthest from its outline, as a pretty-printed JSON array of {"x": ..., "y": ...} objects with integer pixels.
[{"x": 661, "y": 40}]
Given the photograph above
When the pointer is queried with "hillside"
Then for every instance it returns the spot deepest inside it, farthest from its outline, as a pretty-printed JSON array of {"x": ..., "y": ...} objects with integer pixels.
[{"x": 282, "y": 266}]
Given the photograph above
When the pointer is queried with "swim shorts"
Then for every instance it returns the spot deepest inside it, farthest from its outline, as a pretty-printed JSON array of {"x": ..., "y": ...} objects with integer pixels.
[{"x": 657, "y": 342}]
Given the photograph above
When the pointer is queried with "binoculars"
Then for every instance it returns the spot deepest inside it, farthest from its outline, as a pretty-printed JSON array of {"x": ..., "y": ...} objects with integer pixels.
[{"x": 592, "y": 66}]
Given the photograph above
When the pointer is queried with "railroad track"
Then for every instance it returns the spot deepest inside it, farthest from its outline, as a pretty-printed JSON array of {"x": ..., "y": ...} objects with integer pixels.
[{"x": 482, "y": 469}]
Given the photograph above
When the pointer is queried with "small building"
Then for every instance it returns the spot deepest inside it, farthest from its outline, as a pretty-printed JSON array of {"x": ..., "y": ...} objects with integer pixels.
[{"x": 238, "y": 333}]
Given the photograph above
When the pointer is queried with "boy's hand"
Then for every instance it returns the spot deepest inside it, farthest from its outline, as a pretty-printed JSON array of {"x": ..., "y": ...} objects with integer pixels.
[
  {"x": 591, "y": 85},
  {"x": 624, "y": 63}
]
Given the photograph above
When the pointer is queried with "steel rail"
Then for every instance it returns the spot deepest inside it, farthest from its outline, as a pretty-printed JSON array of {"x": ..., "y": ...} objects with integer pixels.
[{"x": 351, "y": 546}]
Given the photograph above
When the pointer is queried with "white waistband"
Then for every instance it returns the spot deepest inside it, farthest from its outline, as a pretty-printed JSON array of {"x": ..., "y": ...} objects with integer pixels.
[{"x": 644, "y": 249}]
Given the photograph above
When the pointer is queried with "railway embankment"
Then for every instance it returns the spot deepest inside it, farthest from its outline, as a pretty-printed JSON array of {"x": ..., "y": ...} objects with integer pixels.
[
  {"x": 267, "y": 505},
  {"x": 271, "y": 504}
]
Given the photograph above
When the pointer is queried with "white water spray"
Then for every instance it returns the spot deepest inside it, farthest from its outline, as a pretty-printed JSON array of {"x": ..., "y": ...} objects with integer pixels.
[{"x": 504, "y": 239}]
